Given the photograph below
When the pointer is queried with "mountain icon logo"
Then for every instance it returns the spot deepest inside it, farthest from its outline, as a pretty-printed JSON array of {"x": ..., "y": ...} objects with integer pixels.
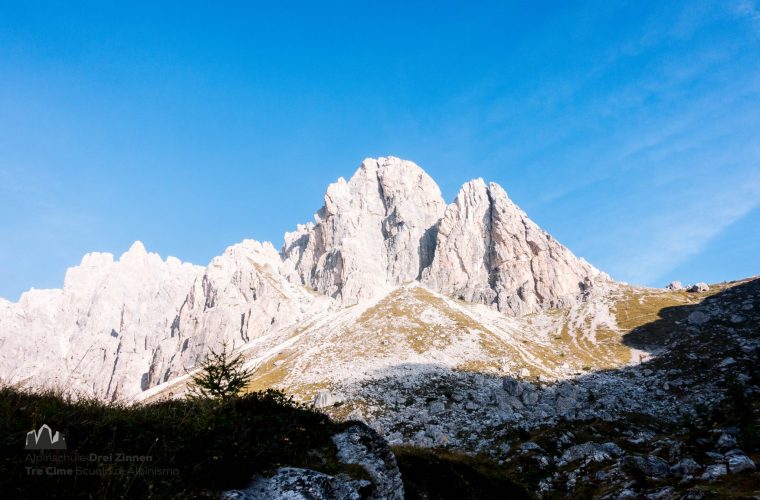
[{"x": 44, "y": 439}]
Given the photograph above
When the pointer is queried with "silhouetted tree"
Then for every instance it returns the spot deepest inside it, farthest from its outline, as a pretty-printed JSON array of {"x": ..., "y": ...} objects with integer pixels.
[{"x": 221, "y": 376}]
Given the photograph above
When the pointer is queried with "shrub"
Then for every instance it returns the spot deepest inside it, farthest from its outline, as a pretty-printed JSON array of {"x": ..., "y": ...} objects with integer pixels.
[{"x": 221, "y": 376}]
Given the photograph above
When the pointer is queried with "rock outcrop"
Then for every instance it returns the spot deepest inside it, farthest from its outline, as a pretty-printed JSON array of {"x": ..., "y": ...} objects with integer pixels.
[
  {"x": 374, "y": 232},
  {"x": 488, "y": 251},
  {"x": 96, "y": 335},
  {"x": 388, "y": 225},
  {"x": 240, "y": 296},
  {"x": 357, "y": 446},
  {"x": 699, "y": 287},
  {"x": 675, "y": 285}
]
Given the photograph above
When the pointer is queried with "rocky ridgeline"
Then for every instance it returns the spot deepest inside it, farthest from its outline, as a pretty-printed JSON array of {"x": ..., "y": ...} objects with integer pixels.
[
  {"x": 118, "y": 328},
  {"x": 96, "y": 336},
  {"x": 389, "y": 225}
]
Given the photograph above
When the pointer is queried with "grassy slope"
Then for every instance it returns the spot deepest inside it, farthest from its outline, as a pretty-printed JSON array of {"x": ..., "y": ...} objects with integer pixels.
[{"x": 222, "y": 447}]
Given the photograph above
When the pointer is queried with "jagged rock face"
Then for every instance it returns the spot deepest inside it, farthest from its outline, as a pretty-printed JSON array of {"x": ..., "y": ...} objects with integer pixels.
[
  {"x": 374, "y": 231},
  {"x": 120, "y": 327},
  {"x": 488, "y": 251},
  {"x": 240, "y": 296},
  {"x": 97, "y": 334},
  {"x": 27, "y": 339}
]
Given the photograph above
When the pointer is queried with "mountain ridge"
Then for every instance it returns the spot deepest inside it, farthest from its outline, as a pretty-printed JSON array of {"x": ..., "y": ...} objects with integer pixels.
[{"x": 386, "y": 226}]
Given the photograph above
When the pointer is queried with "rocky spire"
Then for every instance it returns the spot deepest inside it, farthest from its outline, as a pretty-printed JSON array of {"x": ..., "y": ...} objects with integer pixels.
[
  {"x": 488, "y": 251},
  {"x": 373, "y": 232}
]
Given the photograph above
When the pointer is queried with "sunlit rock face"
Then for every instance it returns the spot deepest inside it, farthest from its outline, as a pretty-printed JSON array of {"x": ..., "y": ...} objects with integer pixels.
[
  {"x": 95, "y": 336},
  {"x": 375, "y": 231},
  {"x": 388, "y": 225},
  {"x": 120, "y": 326},
  {"x": 488, "y": 251},
  {"x": 241, "y": 296}
]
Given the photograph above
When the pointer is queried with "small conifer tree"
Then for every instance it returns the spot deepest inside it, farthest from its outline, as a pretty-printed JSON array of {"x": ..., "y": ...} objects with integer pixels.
[{"x": 221, "y": 376}]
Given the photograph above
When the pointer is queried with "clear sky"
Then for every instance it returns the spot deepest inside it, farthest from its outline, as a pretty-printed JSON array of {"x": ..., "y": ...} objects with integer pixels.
[{"x": 629, "y": 130}]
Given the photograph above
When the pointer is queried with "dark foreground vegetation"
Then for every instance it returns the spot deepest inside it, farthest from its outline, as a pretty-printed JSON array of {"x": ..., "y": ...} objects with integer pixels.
[
  {"x": 197, "y": 448},
  {"x": 186, "y": 448}
]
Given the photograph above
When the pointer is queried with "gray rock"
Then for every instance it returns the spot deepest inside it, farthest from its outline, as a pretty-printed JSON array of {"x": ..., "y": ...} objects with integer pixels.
[
  {"x": 362, "y": 446},
  {"x": 713, "y": 472},
  {"x": 738, "y": 462},
  {"x": 663, "y": 493},
  {"x": 693, "y": 495},
  {"x": 324, "y": 398},
  {"x": 437, "y": 407},
  {"x": 650, "y": 465},
  {"x": 301, "y": 484},
  {"x": 699, "y": 287},
  {"x": 591, "y": 452},
  {"x": 675, "y": 285},
  {"x": 512, "y": 386},
  {"x": 530, "y": 397},
  {"x": 726, "y": 441},
  {"x": 727, "y": 362},
  {"x": 686, "y": 466},
  {"x": 565, "y": 405},
  {"x": 698, "y": 318},
  {"x": 529, "y": 446}
]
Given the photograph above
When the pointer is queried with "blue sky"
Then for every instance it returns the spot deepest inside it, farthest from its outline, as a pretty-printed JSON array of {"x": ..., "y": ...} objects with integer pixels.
[{"x": 629, "y": 130}]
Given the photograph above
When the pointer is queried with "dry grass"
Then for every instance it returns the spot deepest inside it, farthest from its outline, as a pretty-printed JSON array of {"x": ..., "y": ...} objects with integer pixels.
[{"x": 398, "y": 317}]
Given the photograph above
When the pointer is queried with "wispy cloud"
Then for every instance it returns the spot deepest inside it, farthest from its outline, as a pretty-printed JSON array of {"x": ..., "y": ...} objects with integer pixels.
[
  {"x": 748, "y": 9},
  {"x": 673, "y": 237}
]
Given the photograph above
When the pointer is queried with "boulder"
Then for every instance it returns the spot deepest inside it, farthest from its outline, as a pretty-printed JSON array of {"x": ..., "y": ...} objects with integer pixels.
[
  {"x": 675, "y": 285},
  {"x": 698, "y": 318},
  {"x": 650, "y": 465},
  {"x": 726, "y": 441},
  {"x": 565, "y": 405},
  {"x": 714, "y": 471},
  {"x": 699, "y": 287},
  {"x": 686, "y": 467},
  {"x": 512, "y": 386},
  {"x": 324, "y": 398},
  {"x": 738, "y": 462},
  {"x": 530, "y": 397},
  {"x": 591, "y": 452},
  {"x": 360, "y": 445},
  {"x": 301, "y": 484}
]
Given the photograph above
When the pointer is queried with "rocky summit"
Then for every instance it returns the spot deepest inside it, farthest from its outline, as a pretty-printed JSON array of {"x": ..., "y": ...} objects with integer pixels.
[{"x": 460, "y": 328}]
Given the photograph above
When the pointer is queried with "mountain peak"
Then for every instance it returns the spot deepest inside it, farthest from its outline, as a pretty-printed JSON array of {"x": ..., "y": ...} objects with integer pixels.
[
  {"x": 489, "y": 251},
  {"x": 136, "y": 249},
  {"x": 388, "y": 224},
  {"x": 385, "y": 227},
  {"x": 369, "y": 232}
]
